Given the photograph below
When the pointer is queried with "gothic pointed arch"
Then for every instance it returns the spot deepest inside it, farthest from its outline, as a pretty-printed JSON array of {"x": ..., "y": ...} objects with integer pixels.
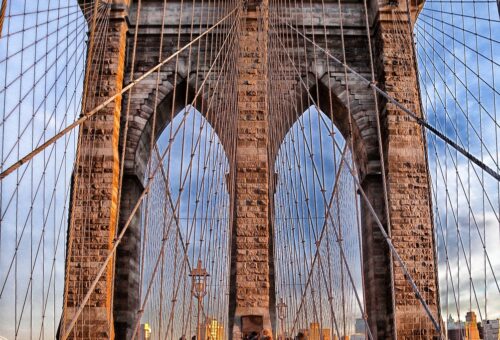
[{"x": 189, "y": 196}]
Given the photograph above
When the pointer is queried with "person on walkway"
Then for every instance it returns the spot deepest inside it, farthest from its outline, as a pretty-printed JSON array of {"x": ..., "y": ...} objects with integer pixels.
[
  {"x": 300, "y": 336},
  {"x": 267, "y": 334},
  {"x": 252, "y": 336}
]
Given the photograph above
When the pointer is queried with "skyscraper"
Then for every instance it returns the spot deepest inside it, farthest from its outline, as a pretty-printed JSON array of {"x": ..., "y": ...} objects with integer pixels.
[
  {"x": 471, "y": 330},
  {"x": 491, "y": 329},
  {"x": 212, "y": 330}
]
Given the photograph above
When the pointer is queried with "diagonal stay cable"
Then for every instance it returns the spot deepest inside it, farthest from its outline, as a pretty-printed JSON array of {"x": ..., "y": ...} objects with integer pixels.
[
  {"x": 461, "y": 81},
  {"x": 475, "y": 17},
  {"x": 89, "y": 114},
  {"x": 39, "y": 24},
  {"x": 40, "y": 11},
  {"x": 466, "y": 46},
  {"x": 419, "y": 120},
  {"x": 395, "y": 253},
  {"x": 323, "y": 232},
  {"x": 434, "y": 107},
  {"x": 329, "y": 204},
  {"x": 30, "y": 212},
  {"x": 455, "y": 160},
  {"x": 454, "y": 216},
  {"x": 464, "y": 29},
  {"x": 386, "y": 236}
]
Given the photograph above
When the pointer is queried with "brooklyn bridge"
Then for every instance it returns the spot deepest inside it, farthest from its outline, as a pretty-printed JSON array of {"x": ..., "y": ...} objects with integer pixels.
[{"x": 249, "y": 169}]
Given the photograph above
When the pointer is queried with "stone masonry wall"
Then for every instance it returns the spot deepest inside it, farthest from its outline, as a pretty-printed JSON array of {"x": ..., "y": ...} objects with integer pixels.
[
  {"x": 126, "y": 288},
  {"x": 376, "y": 262},
  {"x": 95, "y": 195},
  {"x": 250, "y": 274},
  {"x": 408, "y": 178}
]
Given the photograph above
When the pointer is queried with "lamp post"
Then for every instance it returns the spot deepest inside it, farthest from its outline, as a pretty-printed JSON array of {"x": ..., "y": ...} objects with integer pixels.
[
  {"x": 199, "y": 290},
  {"x": 281, "y": 308}
]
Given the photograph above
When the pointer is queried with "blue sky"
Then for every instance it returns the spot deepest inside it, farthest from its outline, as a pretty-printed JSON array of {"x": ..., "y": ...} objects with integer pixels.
[
  {"x": 458, "y": 51},
  {"x": 41, "y": 73},
  {"x": 198, "y": 164},
  {"x": 307, "y": 162}
]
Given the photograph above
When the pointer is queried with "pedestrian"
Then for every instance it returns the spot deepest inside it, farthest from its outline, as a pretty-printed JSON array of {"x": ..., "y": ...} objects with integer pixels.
[
  {"x": 300, "y": 336},
  {"x": 267, "y": 334},
  {"x": 253, "y": 336}
]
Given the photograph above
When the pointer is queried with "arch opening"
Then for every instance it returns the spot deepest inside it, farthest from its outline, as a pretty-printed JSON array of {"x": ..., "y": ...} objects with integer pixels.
[
  {"x": 183, "y": 223},
  {"x": 317, "y": 232},
  {"x": 168, "y": 108}
]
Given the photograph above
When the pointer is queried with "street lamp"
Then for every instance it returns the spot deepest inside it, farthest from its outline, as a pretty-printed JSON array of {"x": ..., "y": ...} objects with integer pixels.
[
  {"x": 281, "y": 307},
  {"x": 199, "y": 289}
]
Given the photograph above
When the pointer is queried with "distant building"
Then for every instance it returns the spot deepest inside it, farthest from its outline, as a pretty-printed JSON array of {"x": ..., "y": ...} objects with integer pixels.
[
  {"x": 315, "y": 333},
  {"x": 456, "y": 329},
  {"x": 491, "y": 329},
  {"x": 360, "y": 330},
  {"x": 212, "y": 330},
  {"x": 144, "y": 332},
  {"x": 360, "y": 326},
  {"x": 325, "y": 334},
  {"x": 471, "y": 329},
  {"x": 358, "y": 336}
]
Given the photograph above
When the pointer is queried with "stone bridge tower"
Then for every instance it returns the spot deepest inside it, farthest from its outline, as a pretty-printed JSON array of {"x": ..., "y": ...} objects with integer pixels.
[{"x": 392, "y": 308}]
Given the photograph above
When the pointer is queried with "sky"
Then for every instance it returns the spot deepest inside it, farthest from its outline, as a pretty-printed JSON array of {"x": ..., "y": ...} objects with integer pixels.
[
  {"x": 457, "y": 53},
  {"x": 309, "y": 160},
  {"x": 198, "y": 164},
  {"x": 41, "y": 69}
]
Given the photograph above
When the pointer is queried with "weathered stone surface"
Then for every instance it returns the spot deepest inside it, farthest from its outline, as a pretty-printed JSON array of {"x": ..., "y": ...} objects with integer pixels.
[
  {"x": 391, "y": 305},
  {"x": 408, "y": 180},
  {"x": 95, "y": 195},
  {"x": 250, "y": 268}
]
